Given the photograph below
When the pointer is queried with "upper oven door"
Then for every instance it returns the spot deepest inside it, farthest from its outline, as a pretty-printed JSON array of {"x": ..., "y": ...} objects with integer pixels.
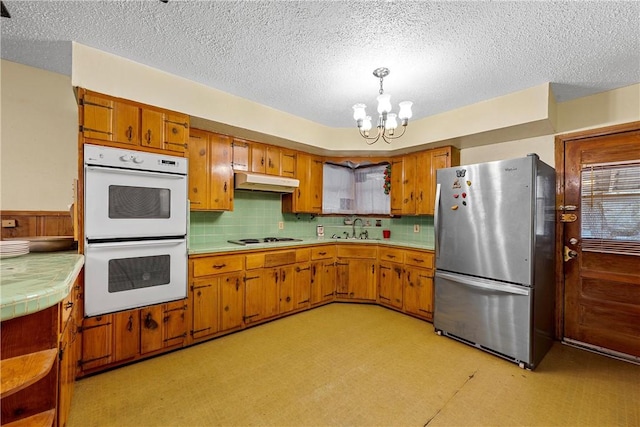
[{"x": 121, "y": 203}]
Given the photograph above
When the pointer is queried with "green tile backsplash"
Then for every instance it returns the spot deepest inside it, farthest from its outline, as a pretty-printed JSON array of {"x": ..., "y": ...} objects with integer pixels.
[{"x": 257, "y": 214}]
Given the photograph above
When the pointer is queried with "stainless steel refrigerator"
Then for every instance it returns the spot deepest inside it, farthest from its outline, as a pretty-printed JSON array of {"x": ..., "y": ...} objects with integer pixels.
[{"x": 494, "y": 242}]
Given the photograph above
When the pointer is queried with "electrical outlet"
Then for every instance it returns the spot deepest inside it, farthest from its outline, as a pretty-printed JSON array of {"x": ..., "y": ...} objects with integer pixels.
[
  {"x": 280, "y": 225},
  {"x": 416, "y": 228}
]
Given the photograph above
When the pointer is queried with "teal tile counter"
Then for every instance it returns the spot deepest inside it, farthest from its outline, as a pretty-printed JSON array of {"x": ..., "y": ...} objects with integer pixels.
[
  {"x": 212, "y": 248},
  {"x": 36, "y": 281}
]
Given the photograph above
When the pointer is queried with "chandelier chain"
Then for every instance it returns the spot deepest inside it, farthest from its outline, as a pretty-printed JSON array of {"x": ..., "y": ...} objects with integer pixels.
[{"x": 381, "y": 90}]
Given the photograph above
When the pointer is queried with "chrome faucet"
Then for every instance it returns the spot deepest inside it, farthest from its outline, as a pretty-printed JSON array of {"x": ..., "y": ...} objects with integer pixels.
[{"x": 353, "y": 236}]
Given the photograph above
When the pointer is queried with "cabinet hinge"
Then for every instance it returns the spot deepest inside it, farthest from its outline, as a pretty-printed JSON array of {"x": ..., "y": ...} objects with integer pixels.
[{"x": 184, "y": 124}]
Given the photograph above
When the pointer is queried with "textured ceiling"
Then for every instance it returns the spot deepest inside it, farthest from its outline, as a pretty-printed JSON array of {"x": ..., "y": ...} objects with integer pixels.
[{"x": 315, "y": 59}]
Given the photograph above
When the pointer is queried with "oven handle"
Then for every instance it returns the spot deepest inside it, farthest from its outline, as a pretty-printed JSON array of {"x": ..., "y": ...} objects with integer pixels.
[
  {"x": 135, "y": 172},
  {"x": 136, "y": 243}
]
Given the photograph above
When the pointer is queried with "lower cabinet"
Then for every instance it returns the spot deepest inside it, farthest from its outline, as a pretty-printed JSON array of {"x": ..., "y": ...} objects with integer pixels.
[
  {"x": 418, "y": 294},
  {"x": 128, "y": 335},
  {"x": 323, "y": 275},
  {"x": 217, "y": 304},
  {"x": 391, "y": 284},
  {"x": 356, "y": 272}
]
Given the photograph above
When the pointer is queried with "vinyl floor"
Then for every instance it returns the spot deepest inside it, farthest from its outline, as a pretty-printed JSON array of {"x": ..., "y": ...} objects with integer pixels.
[{"x": 357, "y": 365}]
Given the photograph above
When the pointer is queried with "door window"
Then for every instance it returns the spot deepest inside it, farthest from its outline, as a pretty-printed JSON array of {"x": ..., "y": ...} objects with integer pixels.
[
  {"x": 126, "y": 274},
  {"x": 129, "y": 202}
]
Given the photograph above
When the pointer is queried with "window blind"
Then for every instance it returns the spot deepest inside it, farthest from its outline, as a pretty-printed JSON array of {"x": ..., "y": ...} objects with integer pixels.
[{"x": 610, "y": 206}]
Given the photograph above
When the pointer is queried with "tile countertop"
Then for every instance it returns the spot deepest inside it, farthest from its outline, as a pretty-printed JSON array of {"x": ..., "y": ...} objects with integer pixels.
[
  {"x": 212, "y": 248},
  {"x": 36, "y": 281}
]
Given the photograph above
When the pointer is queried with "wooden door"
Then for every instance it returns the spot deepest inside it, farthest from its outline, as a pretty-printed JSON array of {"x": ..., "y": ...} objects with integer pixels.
[
  {"x": 220, "y": 173},
  {"x": 327, "y": 280},
  {"x": 151, "y": 337},
  {"x": 342, "y": 278},
  {"x": 273, "y": 160},
  {"x": 418, "y": 292},
  {"x": 174, "y": 323},
  {"x": 97, "y": 113},
  {"x": 397, "y": 188},
  {"x": 440, "y": 158},
  {"x": 390, "y": 284},
  {"x": 258, "y": 160},
  {"x": 271, "y": 283},
  {"x": 231, "y": 301},
  {"x": 287, "y": 301},
  {"x": 126, "y": 123},
  {"x": 97, "y": 341},
  {"x": 288, "y": 163},
  {"x": 362, "y": 279},
  {"x": 600, "y": 238},
  {"x": 315, "y": 178},
  {"x": 152, "y": 125},
  {"x": 126, "y": 328},
  {"x": 254, "y": 296},
  {"x": 176, "y": 132},
  {"x": 302, "y": 285},
  {"x": 199, "y": 170},
  {"x": 204, "y": 306}
]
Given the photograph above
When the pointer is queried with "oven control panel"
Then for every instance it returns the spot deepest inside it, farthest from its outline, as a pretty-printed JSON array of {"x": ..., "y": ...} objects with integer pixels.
[{"x": 95, "y": 155}]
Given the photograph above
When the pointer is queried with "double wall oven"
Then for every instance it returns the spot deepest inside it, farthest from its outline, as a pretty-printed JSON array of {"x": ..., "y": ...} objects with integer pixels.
[{"x": 135, "y": 226}]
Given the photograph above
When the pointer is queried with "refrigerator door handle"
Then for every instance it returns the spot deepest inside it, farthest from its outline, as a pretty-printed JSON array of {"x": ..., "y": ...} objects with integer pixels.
[
  {"x": 436, "y": 222},
  {"x": 484, "y": 283}
]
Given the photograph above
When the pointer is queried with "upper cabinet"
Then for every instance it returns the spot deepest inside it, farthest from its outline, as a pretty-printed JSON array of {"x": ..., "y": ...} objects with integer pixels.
[
  {"x": 120, "y": 121},
  {"x": 307, "y": 198},
  {"x": 210, "y": 173},
  {"x": 413, "y": 179},
  {"x": 261, "y": 158}
]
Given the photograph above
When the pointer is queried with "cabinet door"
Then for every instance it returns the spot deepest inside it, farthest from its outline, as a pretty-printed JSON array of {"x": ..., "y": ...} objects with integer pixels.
[
  {"x": 151, "y": 336},
  {"x": 418, "y": 292},
  {"x": 342, "y": 278},
  {"x": 302, "y": 285},
  {"x": 288, "y": 163},
  {"x": 231, "y": 301},
  {"x": 126, "y": 123},
  {"x": 254, "y": 296},
  {"x": 176, "y": 132},
  {"x": 204, "y": 306},
  {"x": 258, "y": 158},
  {"x": 424, "y": 177},
  {"x": 174, "y": 323},
  {"x": 199, "y": 170},
  {"x": 323, "y": 281},
  {"x": 362, "y": 279},
  {"x": 287, "y": 301},
  {"x": 220, "y": 173},
  {"x": 240, "y": 150},
  {"x": 397, "y": 193},
  {"x": 440, "y": 158},
  {"x": 97, "y": 117},
  {"x": 126, "y": 328},
  {"x": 315, "y": 178},
  {"x": 271, "y": 284},
  {"x": 152, "y": 125},
  {"x": 97, "y": 341},
  {"x": 391, "y": 277},
  {"x": 66, "y": 374},
  {"x": 273, "y": 160}
]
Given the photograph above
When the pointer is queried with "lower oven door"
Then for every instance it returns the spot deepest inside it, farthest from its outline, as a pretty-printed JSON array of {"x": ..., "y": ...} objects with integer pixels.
[{"x": 125, "y": 275}]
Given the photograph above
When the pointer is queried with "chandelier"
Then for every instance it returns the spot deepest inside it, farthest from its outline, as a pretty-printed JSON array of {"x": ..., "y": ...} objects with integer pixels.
[{"x": 387, "y": 121}]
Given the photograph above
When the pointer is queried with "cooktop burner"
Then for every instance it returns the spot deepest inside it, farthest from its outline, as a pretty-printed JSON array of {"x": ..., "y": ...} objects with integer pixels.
[{"x": 264, "y": 240}]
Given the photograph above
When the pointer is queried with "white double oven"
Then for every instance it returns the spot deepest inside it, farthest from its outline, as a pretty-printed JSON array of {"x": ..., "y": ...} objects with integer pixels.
[{"x": 135, "y": 227}]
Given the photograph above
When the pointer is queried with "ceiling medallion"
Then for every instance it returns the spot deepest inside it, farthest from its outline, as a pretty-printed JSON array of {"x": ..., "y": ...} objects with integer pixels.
[{"x": 387, "y": 121}]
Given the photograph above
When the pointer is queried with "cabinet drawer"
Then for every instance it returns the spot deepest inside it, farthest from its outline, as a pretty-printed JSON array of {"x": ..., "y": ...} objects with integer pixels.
[
  {"x": 391, "y": 254},
  {"x": 303, "y": 255},
  {"x": 357, "y": 251},
  {"x": 217, "y": 265},
  {"x": 276, "y": 259},
  {"x": 323, "y": 252},
  {"x": 419, "y": 259},
  {"x": 255, "y": 261}
]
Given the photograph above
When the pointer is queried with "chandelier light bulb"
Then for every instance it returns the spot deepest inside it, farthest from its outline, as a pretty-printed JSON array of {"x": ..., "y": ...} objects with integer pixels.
[
  {"x": 366, "y": 124},
  {"x": 384, "y": 103},
  {"x": 405, "y": 112},
  {"x": 391, "y": 122},
  {"x": 359, "y": 112}
]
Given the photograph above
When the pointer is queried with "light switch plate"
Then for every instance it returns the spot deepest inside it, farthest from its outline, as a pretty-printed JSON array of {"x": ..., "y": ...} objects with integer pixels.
[
  {"x": 416, "y": 228},
  {"x": 8, "y": 223},
  {"x": 281, "y": 225}
]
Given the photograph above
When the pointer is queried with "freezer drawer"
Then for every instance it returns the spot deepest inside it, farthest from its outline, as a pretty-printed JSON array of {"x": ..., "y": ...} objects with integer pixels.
[{"x": 492, "y": 315}]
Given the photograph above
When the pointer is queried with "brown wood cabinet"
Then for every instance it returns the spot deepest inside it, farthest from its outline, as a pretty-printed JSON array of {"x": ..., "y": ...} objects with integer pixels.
[
  {"x": 356, "y": 276},
  {"x": 216, "y": 294},
  {"x": 391, "y": 277},
  {"x": 255, "y": 157},
  {"x": 418, "y": 284},
  {"x": 106, "y": 118},
  {"x": 210, "y": 172},
  {"x": 413, "y": 179},
  {"x": 323, "y": 274},
  {"x": 307, "y": 198}
]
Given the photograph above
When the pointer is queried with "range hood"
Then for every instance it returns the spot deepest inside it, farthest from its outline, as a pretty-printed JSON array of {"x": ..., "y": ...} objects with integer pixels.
[{"x": 257, "y": 182}]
